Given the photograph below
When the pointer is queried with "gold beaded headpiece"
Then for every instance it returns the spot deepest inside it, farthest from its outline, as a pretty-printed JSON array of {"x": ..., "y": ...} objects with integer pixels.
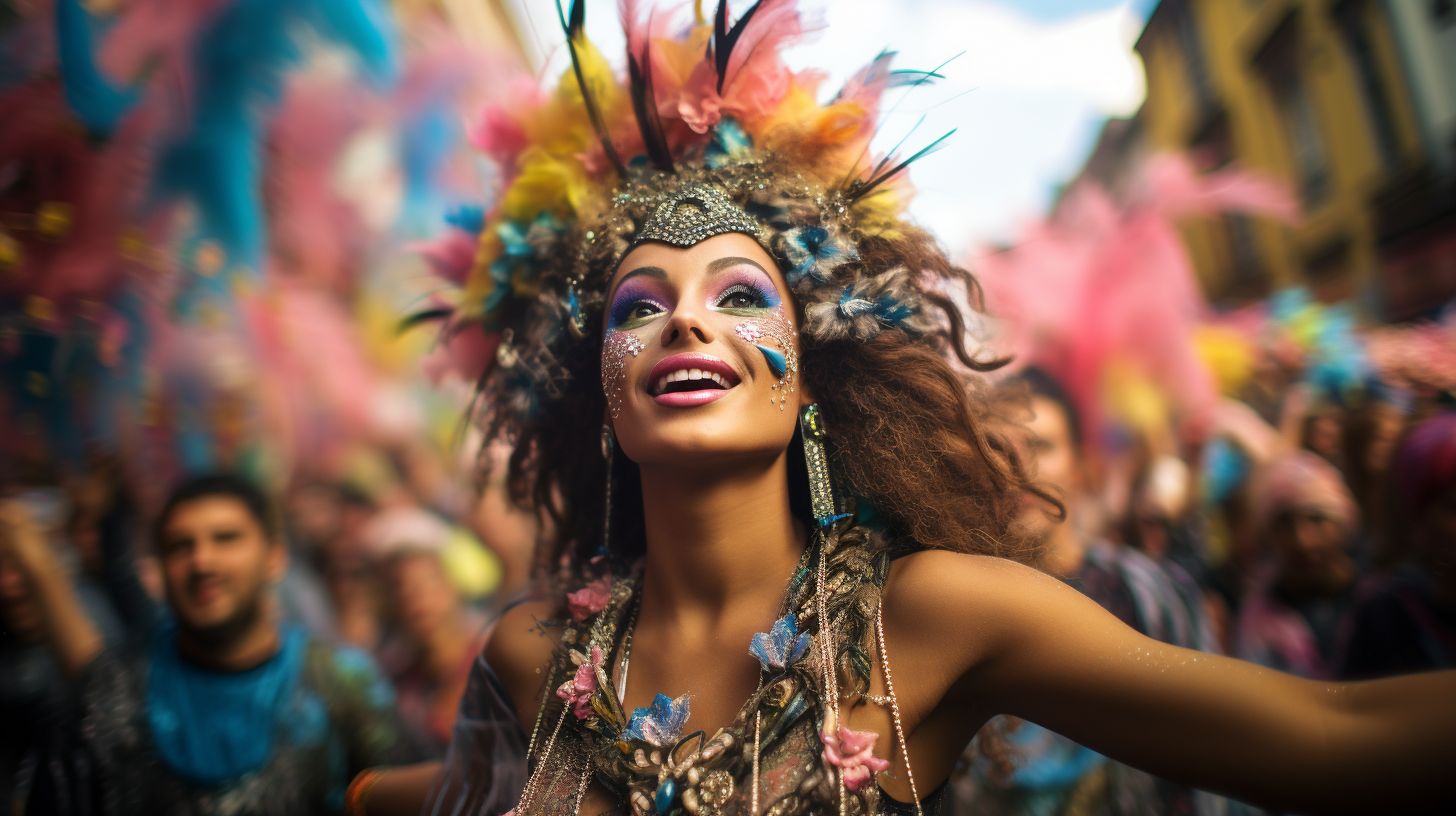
[{"x": 694, "y": 213}]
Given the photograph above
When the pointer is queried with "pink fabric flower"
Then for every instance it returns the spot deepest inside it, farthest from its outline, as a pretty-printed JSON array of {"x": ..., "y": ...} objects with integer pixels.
[
  {"x": 578, "y": 691},
  {"x": 852, "y": 752},
  {"x": 589, "y": 600}
]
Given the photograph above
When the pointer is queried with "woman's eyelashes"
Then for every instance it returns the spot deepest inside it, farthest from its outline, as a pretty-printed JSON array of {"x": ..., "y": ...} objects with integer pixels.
[
  {"x": 742, "y": 297},
  {"x": 635, "y": 305},
  {"x": 632, "y": 307},
  {"x": 746, "y": 291}
]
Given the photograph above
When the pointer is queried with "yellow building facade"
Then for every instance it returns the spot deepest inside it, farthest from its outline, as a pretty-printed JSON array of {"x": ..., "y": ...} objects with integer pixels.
[{"x": 1309, "y": 92}]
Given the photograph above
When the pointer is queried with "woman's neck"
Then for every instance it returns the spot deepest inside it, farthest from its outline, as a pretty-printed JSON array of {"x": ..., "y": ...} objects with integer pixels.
[{"x": 718, "y": 541}]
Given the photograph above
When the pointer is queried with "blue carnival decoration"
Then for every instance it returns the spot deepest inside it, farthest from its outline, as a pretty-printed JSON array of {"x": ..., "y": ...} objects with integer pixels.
[
  {"x": 780, "y": 647},
  {"x": 815, "y": 253},
  {"x": 661, "y": 723}
]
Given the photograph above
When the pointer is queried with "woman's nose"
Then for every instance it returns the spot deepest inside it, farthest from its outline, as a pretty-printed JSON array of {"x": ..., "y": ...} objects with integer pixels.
[{"x": 687, "y": 322}]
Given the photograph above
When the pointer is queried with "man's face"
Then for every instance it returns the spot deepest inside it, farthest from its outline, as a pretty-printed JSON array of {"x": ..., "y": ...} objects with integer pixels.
[
  {"x": 1309, "y": 543},
  {"x": 217, "y": 565}
]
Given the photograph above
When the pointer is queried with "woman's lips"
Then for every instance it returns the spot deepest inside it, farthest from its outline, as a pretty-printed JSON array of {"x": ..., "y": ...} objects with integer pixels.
[
  {"x": 714, "y": 376},
  {"x": 690, "y": 399}
]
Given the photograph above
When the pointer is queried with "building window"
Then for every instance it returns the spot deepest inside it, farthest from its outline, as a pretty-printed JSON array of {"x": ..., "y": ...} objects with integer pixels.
[
  {"x": 1248, "y": 277},
  {"x": 1305, "y": 141},
  {"x": 1190, "y": 42},
  {"x": 1354, "y": 19},
  {"x": 1279, "y": 61}
]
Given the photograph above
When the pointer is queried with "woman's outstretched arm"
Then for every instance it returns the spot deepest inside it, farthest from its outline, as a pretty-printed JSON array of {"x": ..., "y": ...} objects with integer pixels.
[{"x": 1030, "y": 646}]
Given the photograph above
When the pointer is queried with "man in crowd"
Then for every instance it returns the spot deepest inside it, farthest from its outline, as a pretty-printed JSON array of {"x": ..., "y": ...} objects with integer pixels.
[
  {"x": 1304, "y": 519},
  {"x": 435, "y": 637},
  {"x": 226, "y": 710}
]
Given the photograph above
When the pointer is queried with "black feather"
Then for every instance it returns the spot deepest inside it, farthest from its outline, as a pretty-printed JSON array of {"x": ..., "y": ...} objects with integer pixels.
[
  {"x": 860, "y": 189},
  {"x": 573, "y": 27},
  {"x": 725, "y": 39},
  {"x": 644, "y": 104},
  {"x": 420, "y": 318}
]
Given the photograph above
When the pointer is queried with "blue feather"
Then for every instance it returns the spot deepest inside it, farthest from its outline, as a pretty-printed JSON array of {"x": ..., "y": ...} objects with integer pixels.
[
  {"x": 776, "y": 361},
  {"x": 99, "y": 104},
  {"x": 239, "y": 64}
]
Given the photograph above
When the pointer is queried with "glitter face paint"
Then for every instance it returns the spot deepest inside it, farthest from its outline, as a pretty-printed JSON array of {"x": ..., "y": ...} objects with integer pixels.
[
  {"x": 618, "y": 346},
  {"x": 744, "y": 290},
  {"x": 773, "y": 335}
]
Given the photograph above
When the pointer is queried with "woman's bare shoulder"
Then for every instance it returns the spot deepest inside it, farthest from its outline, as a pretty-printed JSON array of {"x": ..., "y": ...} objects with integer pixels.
[
  {"x": 963, "y": 607},
  {"x": 942, "y": 579},
  {"x": 520, "y": 647}
]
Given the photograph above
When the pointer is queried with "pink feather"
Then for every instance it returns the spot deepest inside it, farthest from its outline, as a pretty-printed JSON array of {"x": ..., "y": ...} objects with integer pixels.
[
  {"x": 1125, "y": 287},
  {"x": 756, "y": 78},
  {"x": 451, "y": 254},
  {"x": 315, "y": 233}
]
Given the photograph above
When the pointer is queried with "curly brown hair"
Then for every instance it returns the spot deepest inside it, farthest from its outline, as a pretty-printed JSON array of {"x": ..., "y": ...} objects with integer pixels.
[{"x": 914, "y": 433}]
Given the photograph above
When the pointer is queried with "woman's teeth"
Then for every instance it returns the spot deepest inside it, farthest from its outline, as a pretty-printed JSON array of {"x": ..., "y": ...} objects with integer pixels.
[{"x": 688, "y": 375}]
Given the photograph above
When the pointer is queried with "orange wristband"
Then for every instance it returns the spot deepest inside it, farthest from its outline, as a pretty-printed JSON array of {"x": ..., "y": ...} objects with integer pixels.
[{"x": 358, "y": 789}]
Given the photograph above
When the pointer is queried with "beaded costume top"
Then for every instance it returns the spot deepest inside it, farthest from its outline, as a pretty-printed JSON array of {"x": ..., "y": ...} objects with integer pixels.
[{"x": 652, "y": 760}]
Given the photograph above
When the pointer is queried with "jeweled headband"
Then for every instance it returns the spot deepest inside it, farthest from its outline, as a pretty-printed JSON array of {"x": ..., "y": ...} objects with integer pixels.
[{"x": 692, "y": 213}]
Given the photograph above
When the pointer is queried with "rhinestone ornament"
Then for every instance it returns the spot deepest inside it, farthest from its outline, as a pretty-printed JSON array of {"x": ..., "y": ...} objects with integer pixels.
[
  {"x": 694, "y": 213},
  {"x": 776, "y": 329}
]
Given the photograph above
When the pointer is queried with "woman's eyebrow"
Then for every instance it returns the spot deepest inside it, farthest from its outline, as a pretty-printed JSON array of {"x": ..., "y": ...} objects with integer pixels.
[
  {"x": 720, "y": 264},
  {"x": 641, "y": 272}
]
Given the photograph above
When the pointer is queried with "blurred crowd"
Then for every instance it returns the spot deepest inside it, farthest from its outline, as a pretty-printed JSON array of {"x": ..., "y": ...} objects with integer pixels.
[
  {"x": 293, "y": 640},
  {"x": 1305, "y": 533},
  {"x": 221, "y": 293}
]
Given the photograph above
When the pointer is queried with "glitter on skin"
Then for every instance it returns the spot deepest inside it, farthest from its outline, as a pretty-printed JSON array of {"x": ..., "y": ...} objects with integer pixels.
[
  {"x": 618, "y": 346},
  {"x": 776, "y": 328}
]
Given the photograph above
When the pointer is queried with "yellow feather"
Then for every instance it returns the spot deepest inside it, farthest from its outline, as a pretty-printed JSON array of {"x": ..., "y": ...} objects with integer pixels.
[{"x": 545, "y": 183}]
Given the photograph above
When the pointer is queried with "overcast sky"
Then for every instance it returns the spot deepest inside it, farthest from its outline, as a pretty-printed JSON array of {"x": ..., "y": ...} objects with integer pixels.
[{"x": 1036, "y": 79}]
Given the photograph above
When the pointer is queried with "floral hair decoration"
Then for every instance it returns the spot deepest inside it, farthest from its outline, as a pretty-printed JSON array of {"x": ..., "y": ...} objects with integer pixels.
[{"x": 708, "y": 113}]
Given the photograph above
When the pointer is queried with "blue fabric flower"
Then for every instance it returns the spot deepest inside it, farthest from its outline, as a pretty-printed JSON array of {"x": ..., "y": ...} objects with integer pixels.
[
  {"x": 780, "y": 647},
  {"x": 815, "y": 253},
  {"x": 661, "y": 723}
]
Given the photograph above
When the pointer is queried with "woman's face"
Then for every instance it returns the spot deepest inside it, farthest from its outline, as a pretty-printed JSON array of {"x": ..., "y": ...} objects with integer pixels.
[{"x": 700, "y": 360}]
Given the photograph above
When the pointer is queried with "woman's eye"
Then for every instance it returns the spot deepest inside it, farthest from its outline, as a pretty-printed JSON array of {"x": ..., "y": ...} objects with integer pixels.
[
  {"x": 641, "y": 309},
  {"x": 742, "y": 297}
]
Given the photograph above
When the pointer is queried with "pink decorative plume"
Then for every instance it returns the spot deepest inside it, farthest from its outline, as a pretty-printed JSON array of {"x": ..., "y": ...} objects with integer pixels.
[
  {"x": 1124, "y": 287},
  {"x": 756, "y": 78}
]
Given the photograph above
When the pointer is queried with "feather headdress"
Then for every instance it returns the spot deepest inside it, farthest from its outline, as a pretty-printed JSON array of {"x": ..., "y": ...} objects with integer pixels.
[{"x": 713, "y": 104}]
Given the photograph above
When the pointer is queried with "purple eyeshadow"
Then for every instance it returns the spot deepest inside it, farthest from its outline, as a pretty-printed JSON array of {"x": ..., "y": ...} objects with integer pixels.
[
  {"x": 628, "y": 295},
  {"x": 753, "y": 279}
]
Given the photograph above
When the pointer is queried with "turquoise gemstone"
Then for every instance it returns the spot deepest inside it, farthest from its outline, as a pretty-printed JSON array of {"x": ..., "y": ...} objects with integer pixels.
[
  {"x": 776, "y": 361},
  {"x": 666, "y": 793}
]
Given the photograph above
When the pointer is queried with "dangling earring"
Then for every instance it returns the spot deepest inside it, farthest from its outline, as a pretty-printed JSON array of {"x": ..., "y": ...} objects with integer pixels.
[
  {"x": 609, "y": 444},
  {"x": 821, "y": 488}
]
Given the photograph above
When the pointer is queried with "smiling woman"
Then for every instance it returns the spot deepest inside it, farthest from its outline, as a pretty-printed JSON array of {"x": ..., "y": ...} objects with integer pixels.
[{"x": 781, "y": 575}]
